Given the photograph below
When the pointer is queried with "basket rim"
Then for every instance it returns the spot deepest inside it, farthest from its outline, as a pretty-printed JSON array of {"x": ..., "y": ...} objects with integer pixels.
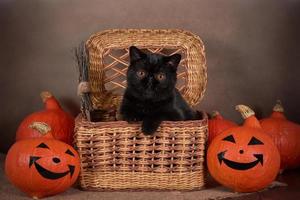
[
  {"x": 121, "y": 30},
  {"x": 80, "y": 119}
]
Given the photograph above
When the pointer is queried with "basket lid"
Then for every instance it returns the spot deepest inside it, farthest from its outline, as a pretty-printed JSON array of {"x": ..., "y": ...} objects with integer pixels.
[{"x": 109, "y": 59}]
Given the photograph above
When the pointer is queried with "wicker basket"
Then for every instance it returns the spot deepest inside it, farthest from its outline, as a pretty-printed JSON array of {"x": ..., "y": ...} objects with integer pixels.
[{"x": 115, "y": 155}]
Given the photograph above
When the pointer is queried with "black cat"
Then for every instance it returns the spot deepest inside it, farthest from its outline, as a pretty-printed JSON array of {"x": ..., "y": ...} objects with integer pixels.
[{"x": 151, "y": 96}]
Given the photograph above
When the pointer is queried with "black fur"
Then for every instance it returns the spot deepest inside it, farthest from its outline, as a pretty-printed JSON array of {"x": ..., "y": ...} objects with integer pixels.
[{"x": 148, "y": 99}]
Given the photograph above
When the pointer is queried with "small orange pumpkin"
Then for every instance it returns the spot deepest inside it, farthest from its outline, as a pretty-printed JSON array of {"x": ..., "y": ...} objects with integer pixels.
[
  {"x": 42, "y": 166},
  {"x": 285, "y": 134},
  {"x": 217, "y": 124},
  {"x": 244, "y": 158},
  {"x": 61, "y": 123}
]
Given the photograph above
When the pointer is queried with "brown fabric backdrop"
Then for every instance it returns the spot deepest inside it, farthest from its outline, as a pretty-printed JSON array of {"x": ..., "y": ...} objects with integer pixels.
[{"x": 252, "y": 50}]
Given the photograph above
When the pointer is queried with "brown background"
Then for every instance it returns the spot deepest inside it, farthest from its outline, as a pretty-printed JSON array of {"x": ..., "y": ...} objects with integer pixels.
[{"x": 252, "y": 50}]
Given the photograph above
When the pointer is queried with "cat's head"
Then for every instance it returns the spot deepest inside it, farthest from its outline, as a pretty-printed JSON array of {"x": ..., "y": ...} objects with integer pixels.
[{"x": 151, "y": 76}]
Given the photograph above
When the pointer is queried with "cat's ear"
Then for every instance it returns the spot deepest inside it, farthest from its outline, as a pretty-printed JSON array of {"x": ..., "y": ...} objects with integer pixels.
[
  {"x": 173, "y": 61},
  {"x": 135, "y": 54}
]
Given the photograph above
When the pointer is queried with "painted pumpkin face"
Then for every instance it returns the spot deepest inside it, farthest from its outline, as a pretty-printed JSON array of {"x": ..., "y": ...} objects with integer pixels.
[
  {"x": 42, "y": 167},
  {"x": 244, "y": 159}
]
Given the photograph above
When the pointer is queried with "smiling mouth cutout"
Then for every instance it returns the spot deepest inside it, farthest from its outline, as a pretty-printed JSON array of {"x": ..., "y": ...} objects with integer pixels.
[
  {"x": 237, "y": 165},
  {"x": 48, "y": 174}
]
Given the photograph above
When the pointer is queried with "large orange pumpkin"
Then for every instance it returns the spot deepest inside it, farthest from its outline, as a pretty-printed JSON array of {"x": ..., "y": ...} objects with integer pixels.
[
  {"x": 61, "y": 123},
  {"x": 286, "y": 135},
  {"x": 217, "y": 124},
  {"x": 42, "y": 166},
  {"x": 244, "y": 158}
]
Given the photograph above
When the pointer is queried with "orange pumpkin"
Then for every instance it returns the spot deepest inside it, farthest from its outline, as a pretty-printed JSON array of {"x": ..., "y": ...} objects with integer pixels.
[
  {"x": 217, "y": 124},
  {"x": 42, "y": 166},
  {"x": 285, "y": 134},
  {"x": 62, "y": 123},
  {"x": 244, "y": 158}
]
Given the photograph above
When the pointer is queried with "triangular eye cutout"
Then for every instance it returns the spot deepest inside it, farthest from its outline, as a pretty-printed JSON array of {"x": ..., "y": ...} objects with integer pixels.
[
  {"x": 42, "y": 145},
  {"x": 69, "y": 152},
  {"x": 255, "y": 141},
  {"x": 229, "y": 138}
]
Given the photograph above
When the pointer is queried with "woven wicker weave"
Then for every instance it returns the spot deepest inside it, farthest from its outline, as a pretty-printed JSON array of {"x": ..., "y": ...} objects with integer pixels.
[{"x": 115, "y": 155}]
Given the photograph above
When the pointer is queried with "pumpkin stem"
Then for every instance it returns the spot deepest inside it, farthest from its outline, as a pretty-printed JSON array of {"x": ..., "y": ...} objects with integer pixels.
[
  {"x": 278, "y": 107},
  {"x": 45, "y": 95},
  {"x": 49, "y": 100},
  {"x": 249, "y": 116},
  {"x": 245, "y": 111},
  {"x": 41, "y": 127},
  {"x": 278, "y": 111},
  {"x": 216, "y": 114}
]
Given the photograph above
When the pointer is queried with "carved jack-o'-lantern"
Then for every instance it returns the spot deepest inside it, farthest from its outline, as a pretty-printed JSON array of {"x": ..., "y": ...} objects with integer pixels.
[
  {"x": 42, "y": 166},
  {"x": 244, "y": 158}
]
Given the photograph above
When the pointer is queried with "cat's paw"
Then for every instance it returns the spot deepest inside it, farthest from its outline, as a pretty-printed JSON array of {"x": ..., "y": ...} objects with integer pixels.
[
  {"x": 148, "y": 130},
  {"x": 150, "y": 127}
]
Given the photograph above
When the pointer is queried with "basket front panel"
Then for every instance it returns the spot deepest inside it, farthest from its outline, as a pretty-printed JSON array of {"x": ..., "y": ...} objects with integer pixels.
[{"x": 119, "y": 148}]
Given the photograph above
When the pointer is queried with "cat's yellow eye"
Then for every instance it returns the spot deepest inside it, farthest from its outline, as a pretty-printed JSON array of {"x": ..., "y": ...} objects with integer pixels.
[
  {"x": 141, "y": 73},
  {"x": 160, "y": 76}
]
